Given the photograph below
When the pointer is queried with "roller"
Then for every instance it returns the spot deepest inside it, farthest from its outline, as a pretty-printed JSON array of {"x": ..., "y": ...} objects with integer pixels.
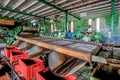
[
  {"x": 63, "y": 65},
  {"x": 34, "y": 51},
  {"x": 24, "y": 46}
]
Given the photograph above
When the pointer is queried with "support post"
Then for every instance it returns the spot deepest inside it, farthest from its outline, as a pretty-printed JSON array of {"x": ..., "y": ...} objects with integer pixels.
[
  {"x": 66, "y": 20},
  {"x": 112, "y": 19},
  {"x": 44, "y": 22}
]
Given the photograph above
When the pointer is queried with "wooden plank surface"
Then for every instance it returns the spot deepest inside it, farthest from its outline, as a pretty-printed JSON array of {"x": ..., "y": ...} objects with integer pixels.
[
  {"x": 6, "y": 22},
  {"x": 64, "y": 50}
]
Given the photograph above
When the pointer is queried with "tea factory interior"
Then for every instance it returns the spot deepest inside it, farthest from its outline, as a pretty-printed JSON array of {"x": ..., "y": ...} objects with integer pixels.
[{"x": 59, "y": 39}]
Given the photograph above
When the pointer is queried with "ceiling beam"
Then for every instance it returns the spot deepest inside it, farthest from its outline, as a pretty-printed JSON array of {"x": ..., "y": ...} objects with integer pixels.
[
  {"x": 6, "y": 3},
  {"x": 70, "y": 3},
  {"x": 19, "y": 12},
  {"x": 41, "y": 10},
  {"x": 39, "y": 6},
  {"x": 89, "y": 9},
  {"x": 24, "y": 17},
  {"x": 81, "y": 6},
  {"x": 25, "y": 7},
  {"x": 28, "y": 6},
  {"x": 18, "y": 16},
  {"x": 54, "y": 6},
  {"x": 15, "y": 6},
  {"x": 97, "y": 9},
  {"x": 52, "y": 10}
]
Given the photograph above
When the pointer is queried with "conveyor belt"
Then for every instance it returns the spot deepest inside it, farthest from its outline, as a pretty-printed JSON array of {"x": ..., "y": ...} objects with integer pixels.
[
  {"x": 73, "y": 48},
  {"x": 74, "y": 53}
]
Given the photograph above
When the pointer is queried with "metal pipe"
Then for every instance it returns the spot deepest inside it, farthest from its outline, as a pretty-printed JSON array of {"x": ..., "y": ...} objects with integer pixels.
[{"x": 64, "y": 50}]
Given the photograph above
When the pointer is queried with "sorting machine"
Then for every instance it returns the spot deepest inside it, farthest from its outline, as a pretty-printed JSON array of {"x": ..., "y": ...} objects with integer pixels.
[{"x": 65, "y": 57}]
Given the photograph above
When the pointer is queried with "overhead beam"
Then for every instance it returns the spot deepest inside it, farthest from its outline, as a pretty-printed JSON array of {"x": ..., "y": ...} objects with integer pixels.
[
  {"x": 15, "y": 6},
  {"x": 19, "y": 12},
  {"x": 92, "y": 8},
  {"x": 51, "y": 10},
  {"x": 6, "y": 3},
  {"x": 54, "y": 6},
  {"x": 26, "y": 6},
  {"x": 81, "y": 6},
  {"x": 39, "y": 6}
]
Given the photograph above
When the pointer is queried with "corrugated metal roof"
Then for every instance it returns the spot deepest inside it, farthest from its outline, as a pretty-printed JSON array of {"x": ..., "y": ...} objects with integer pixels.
[{"x": 91, "y": 7}]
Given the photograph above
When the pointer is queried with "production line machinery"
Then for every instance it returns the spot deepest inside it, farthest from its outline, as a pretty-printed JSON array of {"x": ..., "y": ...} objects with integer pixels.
[{"x": 67, "y": 56}]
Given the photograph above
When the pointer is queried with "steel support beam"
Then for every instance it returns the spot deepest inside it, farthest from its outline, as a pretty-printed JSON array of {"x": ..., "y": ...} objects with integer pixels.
[
  {"x": 112, "y": 18},
  {"x": 54, "y": 6},
  {"x": 19, "y": 12},
  {"x": 66, "y": 20}
]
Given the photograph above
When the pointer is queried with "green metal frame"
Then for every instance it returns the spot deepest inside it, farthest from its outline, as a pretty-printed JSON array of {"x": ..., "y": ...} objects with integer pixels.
[
  {"x": 60, "y": 9},
  {"x": 113, "y": 16},
  {"x": 19, "y": 12},
  {"x": 66, "y": 20}
]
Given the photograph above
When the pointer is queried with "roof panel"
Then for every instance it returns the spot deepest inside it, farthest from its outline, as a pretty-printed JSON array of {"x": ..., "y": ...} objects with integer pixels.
[{"x": 38, "y": 8}]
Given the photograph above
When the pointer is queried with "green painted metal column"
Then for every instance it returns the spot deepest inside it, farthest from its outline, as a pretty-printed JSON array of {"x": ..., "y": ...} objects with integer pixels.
[
  {"x": 44, "y": 22},
  {"x": 66, "y": 20},
  {"x": 112, "y": 19}
]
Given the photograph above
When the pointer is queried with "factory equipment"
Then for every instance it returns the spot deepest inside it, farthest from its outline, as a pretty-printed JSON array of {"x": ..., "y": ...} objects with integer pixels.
[
  {"x": 10, "y": 34},
  {"x": 95, "y": 36},
  {"x": 75, "y": 45},
  {"x": 66, "y": 57}
]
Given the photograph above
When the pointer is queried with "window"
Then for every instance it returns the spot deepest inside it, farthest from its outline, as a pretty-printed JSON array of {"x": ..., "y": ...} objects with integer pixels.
[
  {"x": 98, "y": 24},
  {"x": 72, "y": 26},
  {"x": 90, "y": 22}
]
